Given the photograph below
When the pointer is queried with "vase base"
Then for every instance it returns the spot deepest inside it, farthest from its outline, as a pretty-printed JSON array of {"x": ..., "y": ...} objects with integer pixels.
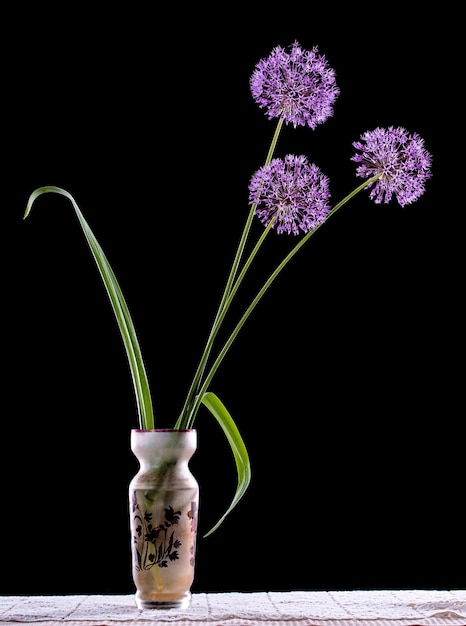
[{"x": 181, "y": 603}]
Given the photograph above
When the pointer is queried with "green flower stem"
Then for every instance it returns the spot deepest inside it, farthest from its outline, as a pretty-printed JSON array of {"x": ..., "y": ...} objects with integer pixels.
[
  {"x": 187, "y": 415},
  {"x": 272, "y": 277},
  {"x": 221, "y": 314}
]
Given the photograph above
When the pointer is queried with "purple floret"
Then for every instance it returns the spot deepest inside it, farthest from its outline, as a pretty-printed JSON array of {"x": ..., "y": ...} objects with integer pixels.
[
  {"x": 296, "y": 85},
  {"x": 399, "y": 158},
  {"x": 293, "y": 191}
]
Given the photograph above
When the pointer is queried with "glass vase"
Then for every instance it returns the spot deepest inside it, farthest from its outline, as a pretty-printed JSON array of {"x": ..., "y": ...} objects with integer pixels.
[{"x": 163, "y": 506}]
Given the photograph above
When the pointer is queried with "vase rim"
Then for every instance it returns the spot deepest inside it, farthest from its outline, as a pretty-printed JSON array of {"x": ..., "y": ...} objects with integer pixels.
[{"x": 163, "y": 430}]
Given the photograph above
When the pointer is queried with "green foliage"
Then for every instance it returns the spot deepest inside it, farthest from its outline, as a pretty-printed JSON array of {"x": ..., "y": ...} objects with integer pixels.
[
  {"x": 133, "y": 351},
  {"x": 122, "y": 314},
  {"x": 243, "y": 467},
  {"x": 198, "y": 392}
]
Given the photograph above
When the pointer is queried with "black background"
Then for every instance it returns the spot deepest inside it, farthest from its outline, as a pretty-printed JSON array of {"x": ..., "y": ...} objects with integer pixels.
[{"x": 347, "y": 381}]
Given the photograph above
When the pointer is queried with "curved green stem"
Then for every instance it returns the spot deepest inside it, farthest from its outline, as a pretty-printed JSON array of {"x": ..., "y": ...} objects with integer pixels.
[{"x": 251, "y": 307}]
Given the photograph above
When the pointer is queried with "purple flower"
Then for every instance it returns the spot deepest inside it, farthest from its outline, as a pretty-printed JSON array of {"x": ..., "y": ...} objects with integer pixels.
[
  {"x": 399, "y": 158},
  {"x": 297, "y": 85},
  {"x": 292, "y": 190}
]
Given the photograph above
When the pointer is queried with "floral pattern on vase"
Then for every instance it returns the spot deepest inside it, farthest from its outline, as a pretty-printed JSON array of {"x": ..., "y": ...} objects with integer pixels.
[{"x": 159, "y": 545}]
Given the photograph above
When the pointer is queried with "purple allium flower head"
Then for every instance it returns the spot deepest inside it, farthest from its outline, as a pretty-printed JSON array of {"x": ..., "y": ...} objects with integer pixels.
[
  {"x": 401, "y": 160},
  {"x": 293, "y": 190},
  {"x": 297, "y": 85}
]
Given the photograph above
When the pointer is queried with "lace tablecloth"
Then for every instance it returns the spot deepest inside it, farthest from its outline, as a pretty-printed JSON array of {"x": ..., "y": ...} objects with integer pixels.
[{"x": 294, "y": 608}]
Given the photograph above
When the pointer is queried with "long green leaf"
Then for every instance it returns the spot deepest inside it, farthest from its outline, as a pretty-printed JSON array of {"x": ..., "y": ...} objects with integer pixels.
[
  {"x": 120, "y": 309},
  {"x": 243, "y": 466}
]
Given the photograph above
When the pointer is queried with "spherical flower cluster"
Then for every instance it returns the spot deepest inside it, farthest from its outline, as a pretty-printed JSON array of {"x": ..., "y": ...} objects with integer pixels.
[
  {"x": 399, "y": 158},
  {"x": 291, "y": 190},
  {"x": 298, "y": 86}
]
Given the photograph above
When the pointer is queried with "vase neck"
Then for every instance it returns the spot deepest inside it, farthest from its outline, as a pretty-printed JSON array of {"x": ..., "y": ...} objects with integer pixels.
[{"x": 153, "y": 448}]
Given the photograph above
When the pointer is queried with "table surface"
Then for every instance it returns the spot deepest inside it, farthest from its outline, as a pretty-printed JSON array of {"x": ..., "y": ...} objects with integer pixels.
[{"x": 293, "y": 608}]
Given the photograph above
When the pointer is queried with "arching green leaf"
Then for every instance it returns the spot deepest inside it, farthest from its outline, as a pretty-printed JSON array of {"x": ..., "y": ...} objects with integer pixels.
[{"x": 243, "y": 466}]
